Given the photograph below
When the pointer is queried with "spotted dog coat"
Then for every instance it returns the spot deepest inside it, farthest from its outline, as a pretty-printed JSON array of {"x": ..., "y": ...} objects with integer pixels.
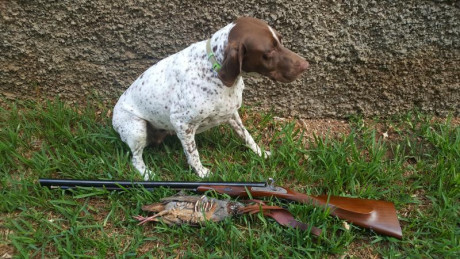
[{"x": 182, "y": 94}]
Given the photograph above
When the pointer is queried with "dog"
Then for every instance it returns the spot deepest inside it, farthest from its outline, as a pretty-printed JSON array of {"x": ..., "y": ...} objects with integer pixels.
[{"x": 201, "y": 87}]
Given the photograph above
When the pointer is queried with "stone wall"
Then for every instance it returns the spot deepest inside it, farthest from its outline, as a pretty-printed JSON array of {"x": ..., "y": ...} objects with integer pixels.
[{"x": 367, "y": 57}]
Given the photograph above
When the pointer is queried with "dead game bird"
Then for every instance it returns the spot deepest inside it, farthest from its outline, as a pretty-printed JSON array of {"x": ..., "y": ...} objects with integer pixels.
[
  {"x": 191, "y": 210},
  {"x": 194, "y": 210}
]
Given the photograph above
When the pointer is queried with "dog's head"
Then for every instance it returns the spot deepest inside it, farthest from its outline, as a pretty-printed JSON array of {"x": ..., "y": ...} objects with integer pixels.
[{"x": 253, "y": 46}]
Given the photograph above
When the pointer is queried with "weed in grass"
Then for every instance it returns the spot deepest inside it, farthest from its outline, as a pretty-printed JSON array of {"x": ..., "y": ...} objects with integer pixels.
[{"x": 416, "y": 166}]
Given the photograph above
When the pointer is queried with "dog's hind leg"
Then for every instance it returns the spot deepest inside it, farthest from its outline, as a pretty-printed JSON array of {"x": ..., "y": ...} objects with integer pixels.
[{"x": 133, "y": 131}]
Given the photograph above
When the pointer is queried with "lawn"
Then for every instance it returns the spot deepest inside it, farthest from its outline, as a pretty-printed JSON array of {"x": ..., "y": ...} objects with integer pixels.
[{"x": 412, "y": 160}]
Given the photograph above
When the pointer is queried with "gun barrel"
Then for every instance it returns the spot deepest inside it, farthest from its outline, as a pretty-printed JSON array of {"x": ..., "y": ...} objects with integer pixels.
[{"x": 150, "y": 185}]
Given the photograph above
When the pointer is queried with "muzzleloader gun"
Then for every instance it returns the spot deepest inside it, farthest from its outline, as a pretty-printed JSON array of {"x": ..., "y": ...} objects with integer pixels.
[{"x": 377, "y": 215}]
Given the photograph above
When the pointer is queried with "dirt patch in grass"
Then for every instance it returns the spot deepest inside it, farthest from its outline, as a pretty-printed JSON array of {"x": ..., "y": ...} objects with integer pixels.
[
  {"x": 6, "y": 248},
  {"x": 327, "y": 127},
  {"x": 324, "y": 127},
  {"x": 422, "y": 203},
  {"x": 6, "y": 251},
  {"x": 359, "y": 249}
]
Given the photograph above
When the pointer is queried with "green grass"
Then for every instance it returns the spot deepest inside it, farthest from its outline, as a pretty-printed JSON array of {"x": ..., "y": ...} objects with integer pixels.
[{"x": 416, "y": 167}]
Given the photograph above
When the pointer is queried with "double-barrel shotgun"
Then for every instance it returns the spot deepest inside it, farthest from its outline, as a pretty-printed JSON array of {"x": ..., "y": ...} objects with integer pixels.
[{"x": 377, "y": 215}]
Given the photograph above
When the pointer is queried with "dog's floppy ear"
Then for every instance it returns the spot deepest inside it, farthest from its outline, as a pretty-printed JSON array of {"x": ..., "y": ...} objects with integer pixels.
[{"x": 233, "y": 62}]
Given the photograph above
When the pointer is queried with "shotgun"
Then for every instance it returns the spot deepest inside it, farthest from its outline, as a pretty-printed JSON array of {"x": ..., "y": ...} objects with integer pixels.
[{"x": 377, "y": 215}]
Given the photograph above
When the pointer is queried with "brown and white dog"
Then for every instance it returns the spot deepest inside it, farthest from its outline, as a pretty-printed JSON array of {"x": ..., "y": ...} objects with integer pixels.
[{"x": 201, "y": 87}]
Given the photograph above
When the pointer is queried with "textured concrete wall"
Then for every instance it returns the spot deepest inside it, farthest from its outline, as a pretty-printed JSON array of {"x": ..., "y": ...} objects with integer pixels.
[{"x": 369, "y": 57}]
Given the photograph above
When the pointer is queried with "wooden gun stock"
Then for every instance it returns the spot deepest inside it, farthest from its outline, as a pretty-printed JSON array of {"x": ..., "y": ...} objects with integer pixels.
[{"x": 379, "y": 216}]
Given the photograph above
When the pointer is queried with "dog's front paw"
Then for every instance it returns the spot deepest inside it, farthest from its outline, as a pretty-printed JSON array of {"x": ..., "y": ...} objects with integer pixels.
[
  {"x": 148, "y": 175},
  {"x": 266, "y": 154},
  {"x": 203, "y": 172}
]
